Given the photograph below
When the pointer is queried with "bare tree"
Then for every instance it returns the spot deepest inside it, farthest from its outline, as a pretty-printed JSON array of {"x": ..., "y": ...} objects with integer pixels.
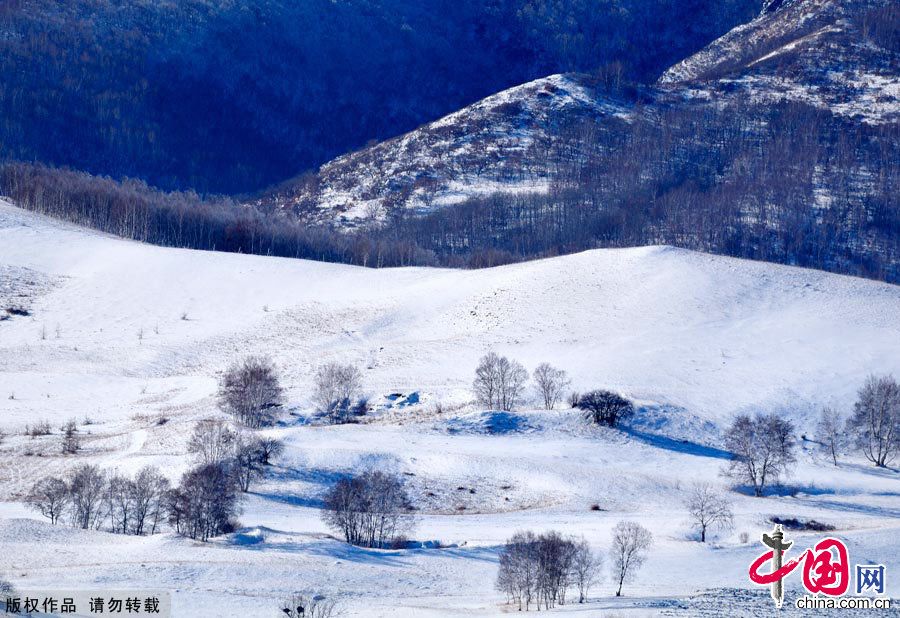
[
  {"x": 551, "y": 383},
  {"x": 269, "y": 448},
  {"x": 518, "y": 572},
  {"x": 762, "y": 449},
  {"x": 205, "y": 503},
  {"x": 87, "y": 493},
  {"x": 513, "y": 378},
  {"x": 50, "y": 497},
  {"x": 212, "y": 441},
  {"x": 875, "y": 422},
  {"x": 605, "y": 407},
  {"x": 71, "y": 442},
  {"x": 831, "y": 432},
  {"x": 120, "y": 493},
  {"x": 337, "y": 387},
  {"x": 586, "y": 568},
  {"x": 487, "y": 380},
  {"x": 250, "y": 391},
  {"x": 247, "y": 460},
  {"x": 308, "y": 606},
  {"x": 708, "y": 508},
  {"x": 149, "y": 490},
  {"x": 499, "y": 382},
  {"x": 631, "y": 542},
  {"x": 368, "y": 509}
]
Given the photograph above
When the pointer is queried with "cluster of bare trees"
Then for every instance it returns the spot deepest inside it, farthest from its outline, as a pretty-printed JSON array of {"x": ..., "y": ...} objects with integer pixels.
[
  {"x": 203, "y": 505},
  {"x": 338, "y": 392},
  {"x": 762, "y": 446},
  {"x": 762, "y": 449},
  {"x": 500, "y": 383},
  {"x": 206, "y": 502},
  {"x": 604, "y": 407},
  {"x": 370, "y": 509},
  {"x": 244, "y": 454},
  {"x": 539, "y": 569},
  {"x": 91, "y": 499},
  {"x": 873, "y": 427}
]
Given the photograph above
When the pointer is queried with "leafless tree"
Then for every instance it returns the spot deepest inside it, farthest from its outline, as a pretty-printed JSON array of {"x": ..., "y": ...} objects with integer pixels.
[
  {"x": 309, "y": 606},
  {"x": 269, "y": 448},
  {"x": 487, "y": 380},
  {"x": 247, "y": 460},
  {"x": 336, "y": 389},
  {"x": 71, "y": 442},
  {"x": 205, "y": 503},
  {"x": 87, "y": 493},
  {"x": 708, "y": 508},
  {"x": 551, "y": 383},
  {"x": 499, "y": 382},
  {"x": 875, "y": 422},
  {"x": 50, "y": 497},
  {"x": 518, "y": 572},
  {"x": 605, "y": 407},
  {"x": 586, "y": 568},
  {"x": 250, "y": 391},
  {"x": 369, "y": 509},
  {"x": 120, "y": 502},
  {"x": 212, "y": 441},
  {"x": 631, "y": 542},
  {"x": 149, "y": 490},
  {"x": 762, "y": 449},
  {"x": 831, "y": 432}
]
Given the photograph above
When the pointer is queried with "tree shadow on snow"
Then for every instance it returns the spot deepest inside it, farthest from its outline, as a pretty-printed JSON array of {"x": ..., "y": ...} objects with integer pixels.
[{"x": 679, "y": 446}]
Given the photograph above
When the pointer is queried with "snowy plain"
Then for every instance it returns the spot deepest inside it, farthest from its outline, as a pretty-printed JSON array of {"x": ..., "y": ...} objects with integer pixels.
[{"x": 124, "y": 334}]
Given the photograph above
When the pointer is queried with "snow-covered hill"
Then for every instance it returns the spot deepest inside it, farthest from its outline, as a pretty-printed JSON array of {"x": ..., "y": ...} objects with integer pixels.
[
  {"x": 126, "y": 334},
  {"x": 499, "y": 144},
  {"x": 834, "y": 55},
  {"x": 821, "y": 52}
]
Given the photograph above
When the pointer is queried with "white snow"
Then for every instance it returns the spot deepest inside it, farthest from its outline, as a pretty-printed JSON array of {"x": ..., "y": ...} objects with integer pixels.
[{"x": 693, "y": 338}]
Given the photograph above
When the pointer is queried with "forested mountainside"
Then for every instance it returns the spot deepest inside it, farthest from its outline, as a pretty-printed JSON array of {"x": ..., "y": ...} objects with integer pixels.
[
  {"x": 779, "y": 141},
  {"x": 227, "y": 96}
]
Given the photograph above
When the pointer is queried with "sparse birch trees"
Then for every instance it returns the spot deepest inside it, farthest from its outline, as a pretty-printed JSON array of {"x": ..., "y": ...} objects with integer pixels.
[{"x": 499, "y": 382}]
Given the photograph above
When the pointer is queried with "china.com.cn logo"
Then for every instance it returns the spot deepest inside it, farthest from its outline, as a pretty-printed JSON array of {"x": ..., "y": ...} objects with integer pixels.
[{"x": 826, "y": 568}]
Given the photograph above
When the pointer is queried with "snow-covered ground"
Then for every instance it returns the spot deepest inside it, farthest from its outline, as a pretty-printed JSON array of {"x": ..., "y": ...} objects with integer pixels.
[{"x": 125, "y": 334}]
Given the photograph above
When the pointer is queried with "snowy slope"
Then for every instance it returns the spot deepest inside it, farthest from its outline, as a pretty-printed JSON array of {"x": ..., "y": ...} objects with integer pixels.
[
  {"x": 144, "y": 332},
  {"x": 814, "y": 51},
  {"x": 497, "y": 145}
]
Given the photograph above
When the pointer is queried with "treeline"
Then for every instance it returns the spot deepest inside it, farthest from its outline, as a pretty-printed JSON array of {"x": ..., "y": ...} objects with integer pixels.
[
  {"x": 177, "y": 94},
  {"x": 132, "y": 209}
]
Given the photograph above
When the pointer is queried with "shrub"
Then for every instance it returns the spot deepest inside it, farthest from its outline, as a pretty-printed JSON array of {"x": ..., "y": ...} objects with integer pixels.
[{"x": 605, "y": 407}]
